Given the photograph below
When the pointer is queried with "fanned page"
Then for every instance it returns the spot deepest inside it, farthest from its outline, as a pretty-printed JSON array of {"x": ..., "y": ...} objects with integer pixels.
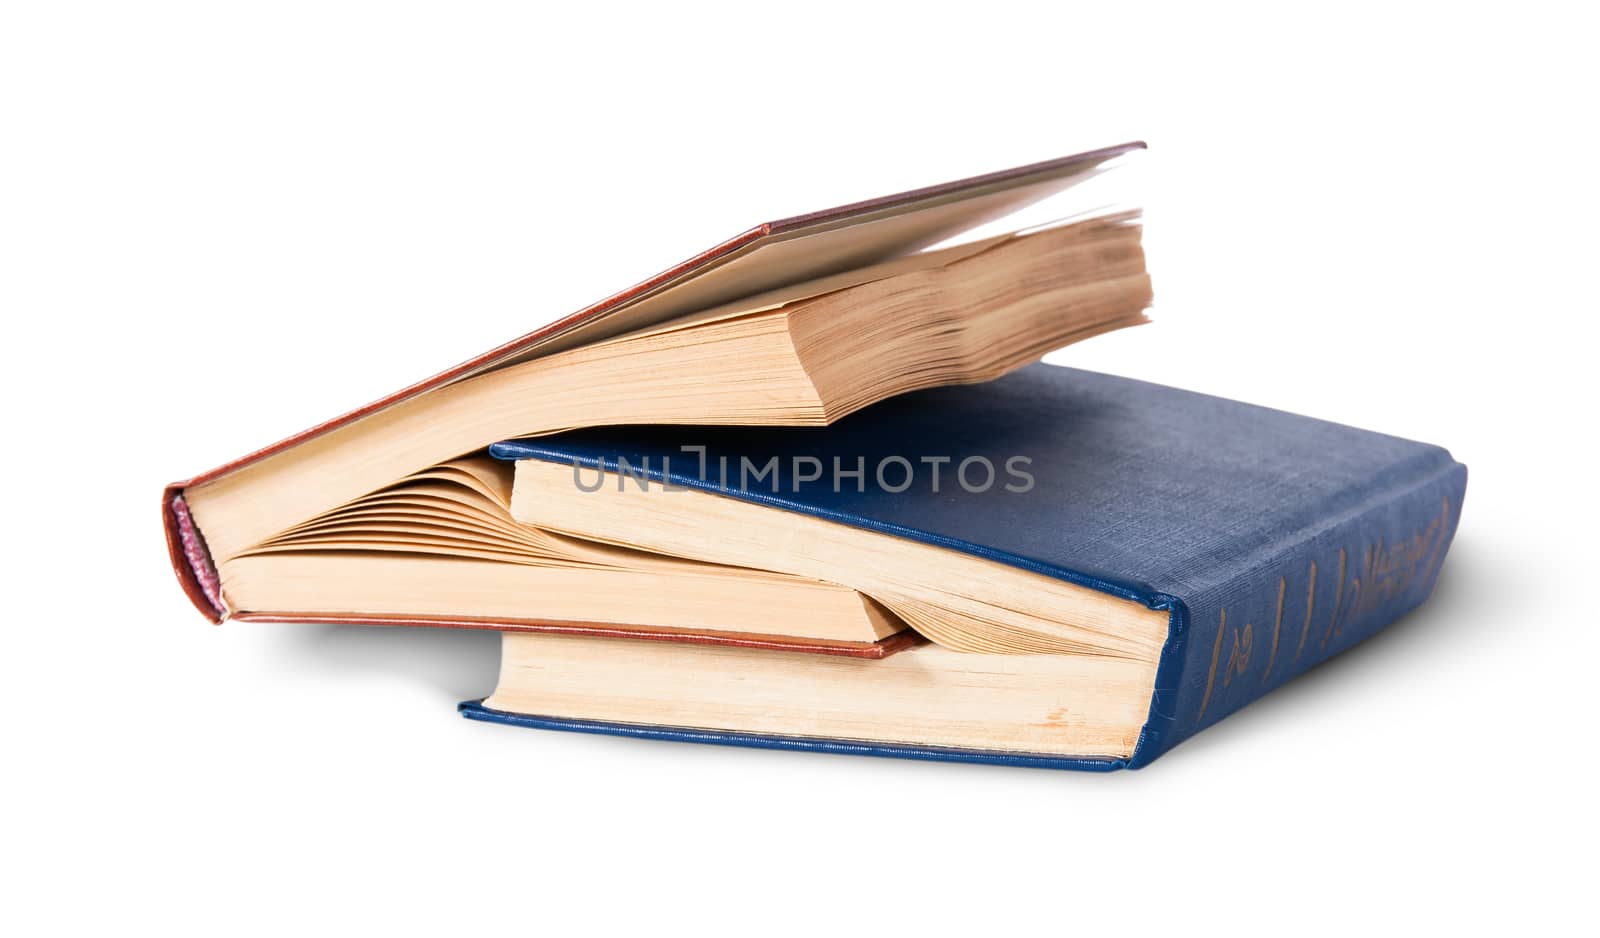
[{"x": 441, "y": 544}]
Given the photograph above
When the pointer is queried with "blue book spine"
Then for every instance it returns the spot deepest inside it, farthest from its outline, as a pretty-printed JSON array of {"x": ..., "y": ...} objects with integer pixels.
[{"x": 1312, "y": 597}]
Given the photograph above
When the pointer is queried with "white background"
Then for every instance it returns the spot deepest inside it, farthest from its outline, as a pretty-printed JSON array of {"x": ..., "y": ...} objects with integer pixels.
[{"x": 222, "y": 223}]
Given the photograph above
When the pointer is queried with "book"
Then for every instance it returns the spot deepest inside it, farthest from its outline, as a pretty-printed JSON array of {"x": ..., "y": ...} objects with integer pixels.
[
  {"x": 1101, "y": 567},
  {"x": 390, "y": 513}
]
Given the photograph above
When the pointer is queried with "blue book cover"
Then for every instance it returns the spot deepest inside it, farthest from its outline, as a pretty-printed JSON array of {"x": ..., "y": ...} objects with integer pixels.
[{"x": 1272, "y": 541}]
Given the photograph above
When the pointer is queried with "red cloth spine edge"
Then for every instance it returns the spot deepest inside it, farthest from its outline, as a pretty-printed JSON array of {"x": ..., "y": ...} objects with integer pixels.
[{"x": 191, "y": 561}]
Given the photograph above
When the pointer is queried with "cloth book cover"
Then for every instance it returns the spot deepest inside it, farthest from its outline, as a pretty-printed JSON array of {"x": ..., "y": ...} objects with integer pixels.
[{"x": 1273, "y": 541}]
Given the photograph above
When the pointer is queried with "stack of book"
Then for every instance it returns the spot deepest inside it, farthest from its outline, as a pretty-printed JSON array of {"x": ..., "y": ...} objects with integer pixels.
[{"x": 811, "y": 489}]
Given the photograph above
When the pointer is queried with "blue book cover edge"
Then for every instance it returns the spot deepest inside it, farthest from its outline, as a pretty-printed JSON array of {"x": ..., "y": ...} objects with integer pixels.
[{"x": 475, "y": 710}]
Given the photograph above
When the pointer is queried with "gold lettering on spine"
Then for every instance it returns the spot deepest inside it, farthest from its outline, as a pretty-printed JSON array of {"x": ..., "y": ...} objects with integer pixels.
[
  {"x": 1347, "y": 609},
  {"x": 1277, "y": 624},
  {"x": 1338, "y": 601},
  {"x": 1216, "y": 652},
  {"x": 1311, "y": 603},
  {"x": 1239, "y": 654},
  {"x": 1387, "y": 572}
]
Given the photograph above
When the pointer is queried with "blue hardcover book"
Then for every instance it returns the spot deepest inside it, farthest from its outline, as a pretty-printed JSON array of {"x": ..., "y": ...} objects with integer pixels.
[{"x": 1100, "y": 511}]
